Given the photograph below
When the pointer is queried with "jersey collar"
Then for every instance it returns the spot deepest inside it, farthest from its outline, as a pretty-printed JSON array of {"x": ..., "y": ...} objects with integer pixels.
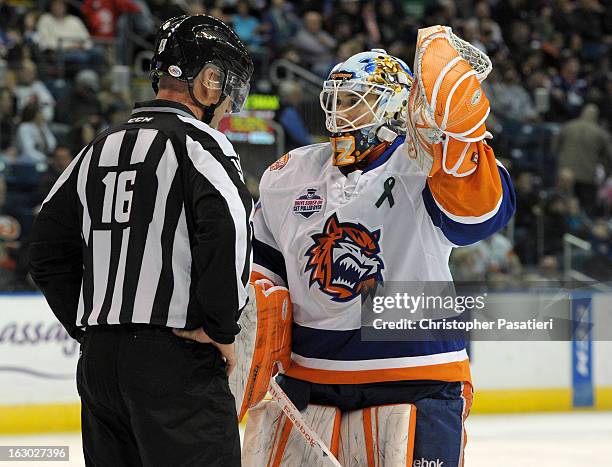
[
  {"x": 384, "y": 157},
  {"x": 163, "y": 105}
]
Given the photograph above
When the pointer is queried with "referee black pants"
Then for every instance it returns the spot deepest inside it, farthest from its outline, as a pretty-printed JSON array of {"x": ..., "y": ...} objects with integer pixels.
[{"x": 150, "y": 398}]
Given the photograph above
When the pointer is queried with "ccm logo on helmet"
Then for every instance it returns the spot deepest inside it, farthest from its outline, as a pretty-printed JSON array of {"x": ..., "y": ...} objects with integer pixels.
[{"x": 140, "y": 120}]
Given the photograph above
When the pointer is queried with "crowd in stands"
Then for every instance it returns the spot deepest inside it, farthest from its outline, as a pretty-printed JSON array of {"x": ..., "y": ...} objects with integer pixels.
[{"x": 550, "y": 92}]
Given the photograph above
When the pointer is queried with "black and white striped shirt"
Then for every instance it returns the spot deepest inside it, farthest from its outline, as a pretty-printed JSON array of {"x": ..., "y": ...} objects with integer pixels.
[{"x": 149, "y": 224}]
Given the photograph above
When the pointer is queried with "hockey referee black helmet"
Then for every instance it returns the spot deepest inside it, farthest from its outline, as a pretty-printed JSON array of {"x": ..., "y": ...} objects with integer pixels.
[{"x": 186, "y": 44}]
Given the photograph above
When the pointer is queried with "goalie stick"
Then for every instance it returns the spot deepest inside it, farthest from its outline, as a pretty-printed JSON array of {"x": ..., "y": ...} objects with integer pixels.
[{"x": 310, "y": 436}]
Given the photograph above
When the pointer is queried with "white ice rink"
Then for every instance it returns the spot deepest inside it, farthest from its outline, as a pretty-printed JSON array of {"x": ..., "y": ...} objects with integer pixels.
[{"x": 578, "y": 439}]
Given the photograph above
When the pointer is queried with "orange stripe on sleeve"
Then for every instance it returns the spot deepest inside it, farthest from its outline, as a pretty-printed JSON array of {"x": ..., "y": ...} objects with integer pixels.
[{"x": 474, "y": 195}]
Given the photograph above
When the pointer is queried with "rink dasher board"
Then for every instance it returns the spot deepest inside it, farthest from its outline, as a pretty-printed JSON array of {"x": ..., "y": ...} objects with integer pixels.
[{"x": 38, "y": 363}]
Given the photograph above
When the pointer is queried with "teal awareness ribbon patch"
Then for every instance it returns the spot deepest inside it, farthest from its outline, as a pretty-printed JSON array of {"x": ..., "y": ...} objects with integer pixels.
[{"x": 387, "y": 194}]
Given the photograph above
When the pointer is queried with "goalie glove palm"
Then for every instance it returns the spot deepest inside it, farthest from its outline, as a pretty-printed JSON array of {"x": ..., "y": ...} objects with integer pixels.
[{"x": 447, "y": 106}]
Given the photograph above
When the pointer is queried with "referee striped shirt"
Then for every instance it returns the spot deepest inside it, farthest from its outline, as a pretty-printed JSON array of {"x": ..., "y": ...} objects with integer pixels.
[{"x": 150, "y": 223}]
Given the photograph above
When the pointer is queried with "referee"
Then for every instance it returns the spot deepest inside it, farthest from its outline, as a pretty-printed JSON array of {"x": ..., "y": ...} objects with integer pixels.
[{"x": 142, "y": 249}]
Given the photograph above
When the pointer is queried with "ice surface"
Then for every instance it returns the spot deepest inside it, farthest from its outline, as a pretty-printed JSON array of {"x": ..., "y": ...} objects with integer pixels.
[{"x": 531, "y": 440}]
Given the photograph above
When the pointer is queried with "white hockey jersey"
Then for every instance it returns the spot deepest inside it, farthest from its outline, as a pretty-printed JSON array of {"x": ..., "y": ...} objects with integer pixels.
[{"x": 326, "y": 235}]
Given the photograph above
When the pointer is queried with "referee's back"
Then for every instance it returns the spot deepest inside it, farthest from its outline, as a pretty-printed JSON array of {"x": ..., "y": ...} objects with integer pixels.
[{"x": 155, "y": 218}]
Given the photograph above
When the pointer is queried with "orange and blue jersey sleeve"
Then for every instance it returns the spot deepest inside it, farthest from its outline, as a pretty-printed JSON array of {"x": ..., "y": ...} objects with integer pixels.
[
  {"x": 472, "y": 205},
  {"x": 268, "y": 261}
]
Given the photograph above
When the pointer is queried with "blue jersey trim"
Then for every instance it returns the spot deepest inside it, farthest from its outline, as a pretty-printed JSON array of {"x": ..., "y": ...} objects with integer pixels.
[
  {"x": 270, "y": 258},
  {"x": 466, "y": 234},
  {"x": 384, "y": 157}
]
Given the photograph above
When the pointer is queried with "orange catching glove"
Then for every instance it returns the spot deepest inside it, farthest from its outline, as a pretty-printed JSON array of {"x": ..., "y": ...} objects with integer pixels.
[{"x": 447, "y": 106}]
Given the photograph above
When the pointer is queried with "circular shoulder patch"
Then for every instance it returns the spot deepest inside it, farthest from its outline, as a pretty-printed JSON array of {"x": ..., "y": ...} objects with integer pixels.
[{"x": 175, "y": 71}]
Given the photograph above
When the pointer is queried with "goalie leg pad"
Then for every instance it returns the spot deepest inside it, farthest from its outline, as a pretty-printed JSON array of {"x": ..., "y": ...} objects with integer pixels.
[
  {"x": 263, "y": 345},
  {"x": 381, "y": 436},
  {"x": 270, "y": 439}
]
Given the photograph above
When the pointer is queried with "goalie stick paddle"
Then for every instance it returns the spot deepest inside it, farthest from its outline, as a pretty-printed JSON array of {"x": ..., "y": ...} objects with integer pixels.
[{"x": 295, "y": 417}]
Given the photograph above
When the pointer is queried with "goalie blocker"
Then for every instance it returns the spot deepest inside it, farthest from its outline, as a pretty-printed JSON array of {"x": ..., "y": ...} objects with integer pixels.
[{"x": 263, "y": 345}]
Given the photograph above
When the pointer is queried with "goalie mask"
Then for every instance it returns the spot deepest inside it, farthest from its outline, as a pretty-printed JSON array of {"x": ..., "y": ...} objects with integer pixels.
[{"x": 365, "y": 101}]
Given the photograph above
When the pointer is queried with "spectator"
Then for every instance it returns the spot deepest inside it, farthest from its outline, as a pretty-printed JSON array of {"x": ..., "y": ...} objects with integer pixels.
[
  {"x": 599, "y": 265},
  {"x": 282, "y": 22},
  {"x": 6, "y": 44},
  {"x": 565, "y": 183},
  {"x": 315, "y": 46},
  {"x": 547, "y": 271},
  {"x": 389, "y": 22},
  {"x": 30, "y": 89},
  {"x": 349, "y": 48},
  {"x": 117, "y": 112},
  {"x": 554, "y": 226},
  {"x": 30, "y": 32},
  {"x": 59, "y": 160},
  {"x": 246, "y": 26},
  {"x": 7, "y": 14},
  {"x": 296, "y": 133},
  {"x": 8, "y": 122},
  {"x": 482, "y": 14},
  {"x": 102, "y": 15},
  {"x": 83, "y": 132},
  {"x": 62, "y": 33},
  {"x": 526, "y": 217},
  {"x": 370, "y": 22},
  {"x": 350, "y": 11},
  {"x": 82, "y": 99},
  {"x": 605, "y": 197},
  {"x": 7, "y": 228},
  {"x": 34, "y": 138},
  {"x": 582, "y": 145},
  {"x": 605, "y": 101},
  {"x": 544, "y": 24},
  {"x": 468, "y": 264},
  {"x": 501, "y": 261},
  {"x": 492, "y": 260},
  {"x": 471, "y": 33},
  {"x": 2, "y": 188},
  {"x": 249, "y": 29},
  {"x": 568, "y": 91},
  {"x": 590, "y": 25},
  {"x": 509, "y": 98},
  {"x": 488, "y": 38},
  {"x": 576, "y": 220}
]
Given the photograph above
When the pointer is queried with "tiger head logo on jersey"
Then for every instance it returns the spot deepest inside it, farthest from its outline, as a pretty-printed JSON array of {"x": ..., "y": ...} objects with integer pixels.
[{"x": 344, "y": 260}]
